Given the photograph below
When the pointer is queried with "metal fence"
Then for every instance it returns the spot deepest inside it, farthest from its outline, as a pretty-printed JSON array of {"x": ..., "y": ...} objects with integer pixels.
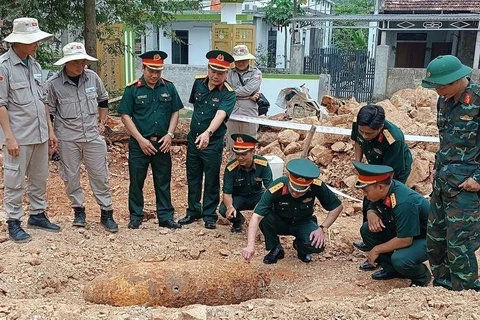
[{"x": 352, "y": 72}]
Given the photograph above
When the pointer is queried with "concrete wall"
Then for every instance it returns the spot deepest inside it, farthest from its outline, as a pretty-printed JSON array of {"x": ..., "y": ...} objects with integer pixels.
[{"x": 403, "y": 78}]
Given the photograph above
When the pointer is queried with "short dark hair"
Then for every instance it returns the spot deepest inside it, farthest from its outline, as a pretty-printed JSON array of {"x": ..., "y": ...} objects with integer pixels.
[{"x": 372, "y": 116}]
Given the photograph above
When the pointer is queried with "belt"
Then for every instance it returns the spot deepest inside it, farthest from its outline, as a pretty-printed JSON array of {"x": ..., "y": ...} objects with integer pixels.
[{"x": 153, "y": 138}]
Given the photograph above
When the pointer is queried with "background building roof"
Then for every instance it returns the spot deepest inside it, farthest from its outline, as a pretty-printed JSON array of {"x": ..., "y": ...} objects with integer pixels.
[{"x": 431, "y": 5}]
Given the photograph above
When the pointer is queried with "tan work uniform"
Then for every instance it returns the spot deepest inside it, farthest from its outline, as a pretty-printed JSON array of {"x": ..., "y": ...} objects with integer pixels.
[
  {"x": 76, "y": 126},
  {"x": 22, "y": 94},
  {"x": 252, "y": 79}
]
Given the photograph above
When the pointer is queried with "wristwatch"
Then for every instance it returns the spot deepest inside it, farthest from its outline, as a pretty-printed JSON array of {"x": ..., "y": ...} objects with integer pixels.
[
  {"x": 210, "y": 132},
  {"x": 171, "y": 134}
]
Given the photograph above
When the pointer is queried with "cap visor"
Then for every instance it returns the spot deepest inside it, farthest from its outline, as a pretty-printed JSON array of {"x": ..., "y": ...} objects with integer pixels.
[
  {"x": 156, "y": 68},
  {"x": 360, "y": 185},
  {"x": 80, "y": 56},
  {"x": 241, "y": 150},
  {"x": 297, "y": 188},
  {"x": 218, "y": 68},
  {"x": 441, "y": 81},
  {"x": 428, "y": 84}
]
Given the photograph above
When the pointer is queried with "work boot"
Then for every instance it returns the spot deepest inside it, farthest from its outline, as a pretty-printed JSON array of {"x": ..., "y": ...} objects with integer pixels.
[
  {"x": 107, "y": 221},
  {"x": 16, "y": 232},
  {"x": 40, "y": 221},
  {"x": 79, "y": 220},
  {"x": 274, "y": 255}
]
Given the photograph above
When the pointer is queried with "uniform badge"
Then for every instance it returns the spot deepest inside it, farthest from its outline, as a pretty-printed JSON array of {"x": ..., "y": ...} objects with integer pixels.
[
  {"x": 239, "y": 140},
  {"x": 139, "y": 83},
  {"x": 467, "y": 98},
  {"x": 142, "y": 97},
  {"x": 220, "y": 57},
  {"x": 157, "y": 57},
  {"x": 307, "y": 200},
  {"x": 215, "y": 100},
  {"x": 387, "y": 202},
  {"x": 1, "y": 78},
  {"x": 466, "y": 117},
  {"x": 377, "y": 151},
  {"x": 380, "y": 137},
  {"x": 165, "y": 95},
  {"x": 257, "y": 179},
  {"x": 428, "y": 74}
]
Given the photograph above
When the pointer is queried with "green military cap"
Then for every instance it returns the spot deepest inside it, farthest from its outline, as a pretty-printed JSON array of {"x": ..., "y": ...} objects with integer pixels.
[
  {"x": 301, "y": 174},
  {"x": 154, "y": 60},
  {"x": 243, "y": 142},
  {"x": 219, "y": 60},
  {"x": 371, "y": 173},
  {"x": 444, "y": 70}
]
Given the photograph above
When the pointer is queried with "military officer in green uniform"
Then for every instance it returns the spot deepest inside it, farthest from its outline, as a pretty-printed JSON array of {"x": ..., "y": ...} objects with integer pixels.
[
  {"x": 287, "y": 208},
  {"x": 381, "y": 142},
  {"x": 213, "y": 100},
  {"x": 396, "y": 225},
  {"x": 453, "y": 233},
  {"x": 244, "y": 180},
  {"x": 149, "y": 109}
]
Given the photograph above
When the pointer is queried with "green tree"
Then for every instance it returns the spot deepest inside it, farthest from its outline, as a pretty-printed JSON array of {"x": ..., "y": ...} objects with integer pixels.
[
  {"x": 351, "y": 38},
  {"x": 84, "y": 16},
  {"x": 279, "y": 12}
]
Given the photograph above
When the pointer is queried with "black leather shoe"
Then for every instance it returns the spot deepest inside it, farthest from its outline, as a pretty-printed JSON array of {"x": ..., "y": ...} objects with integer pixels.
[
  {"x": 274, "y": 255},
  {"x": 304, "y": 257},
  {"x": 187, "y": 220},
  {"x": 237, "y": 226},
  {"x": 40, "y": 221},
  {"x": 106, "y": 219},
  {"x": 134, "y": 224},
  {"x": 16, "y": 232},
  {"x": 366, "y": 266},
  {"x": 417, "y": 283},
  {"x": 361, "y": 246},
  {"x": 170, "y": 224},
  {"x": 210, "y": 225},
  {"x": 385, "y": 275},
  {"x": 79, "y": 220}
]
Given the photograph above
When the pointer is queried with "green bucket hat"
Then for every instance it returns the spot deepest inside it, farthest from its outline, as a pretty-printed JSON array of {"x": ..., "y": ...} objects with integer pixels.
[{"x": 444, "y": 70}]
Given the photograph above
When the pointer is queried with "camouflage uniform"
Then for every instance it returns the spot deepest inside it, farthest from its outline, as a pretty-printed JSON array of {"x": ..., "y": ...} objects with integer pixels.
[{"x": 453, "y": 225}]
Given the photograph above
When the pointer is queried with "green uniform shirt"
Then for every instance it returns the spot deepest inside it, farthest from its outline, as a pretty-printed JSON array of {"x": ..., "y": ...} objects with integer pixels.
[
  {"x": 277, "y": 200},
  {"x": 150, "y": 109},
  {"x": 206, "y": 102},
  {"x": 403, "y": 210},
  {"x": 239, "y": 182},
  {"x": 388, "y": 148},
  {"x": 459, "y": 131}
]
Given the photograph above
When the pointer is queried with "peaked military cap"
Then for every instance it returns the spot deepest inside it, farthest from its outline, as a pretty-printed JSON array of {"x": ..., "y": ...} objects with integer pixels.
[
  {"x": 444, "y": 70},
  {"x": 301, "y": 174},
  {"x": 371, "y": 173},
  {"x": 243, "y": 142},
  {"x": 219, "y": 60},
  {"x": 154, "y": 60}
]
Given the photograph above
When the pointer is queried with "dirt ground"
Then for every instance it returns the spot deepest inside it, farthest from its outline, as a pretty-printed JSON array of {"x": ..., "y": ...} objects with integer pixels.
[{"x": 45, "y": 278}]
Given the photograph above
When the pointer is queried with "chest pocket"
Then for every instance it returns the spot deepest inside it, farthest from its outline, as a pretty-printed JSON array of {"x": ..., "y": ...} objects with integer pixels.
[
  {"x": 284, "y": 209},
  {"x": 67, "y": 108},
  {"x": 166, "y": 104},
  {"x": 465, "y": 127},
  {"x": 21, "y": 94},
  {"x": 257, "y": 184},
  {"x": 239, "y": 185},
  {"x": 92, "y": 103},
  {"x": 142, "y": 101}
]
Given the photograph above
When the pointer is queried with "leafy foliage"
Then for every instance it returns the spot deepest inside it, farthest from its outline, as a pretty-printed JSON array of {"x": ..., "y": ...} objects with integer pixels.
[
  {"x": 56, "y": 16},
  {"x": 278, "y": 12},
  {"x": 351, "y": 38}
]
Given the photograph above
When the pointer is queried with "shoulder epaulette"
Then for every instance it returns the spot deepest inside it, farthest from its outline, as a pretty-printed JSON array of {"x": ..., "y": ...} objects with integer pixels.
[
  {"x": 317, "y": 182},
  {"x": 165, "y": 79},
  {"x": 229, "y": 88},
  {"x": 132, "y": 82},
  {"x": 393, "y": 200},
  {"x": 388, "y": 136},
  {"x": 261, "y": 162},
  {"x": 276, "y": 187},
  {"x": 201, "y": 76},
  {"x": 232, "y": 166}
]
